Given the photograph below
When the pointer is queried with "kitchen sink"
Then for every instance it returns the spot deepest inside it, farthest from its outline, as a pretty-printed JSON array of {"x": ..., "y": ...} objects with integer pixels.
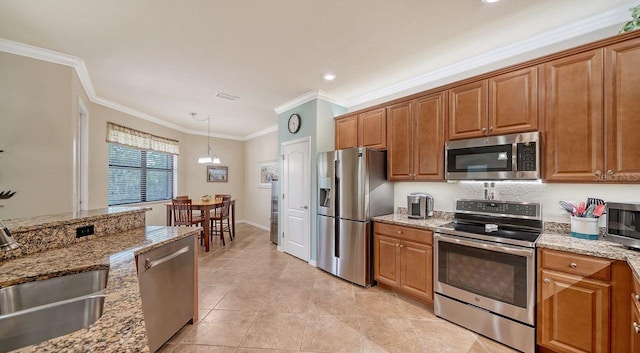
[{"x": 37, "y": 311}]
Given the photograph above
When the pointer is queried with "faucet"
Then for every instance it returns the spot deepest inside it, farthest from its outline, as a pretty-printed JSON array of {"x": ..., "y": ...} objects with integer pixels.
[{"x": 7, "y": 242}]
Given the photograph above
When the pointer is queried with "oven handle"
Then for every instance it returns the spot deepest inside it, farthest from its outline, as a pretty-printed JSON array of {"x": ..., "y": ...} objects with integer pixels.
[{"x": 480, "y": 244}]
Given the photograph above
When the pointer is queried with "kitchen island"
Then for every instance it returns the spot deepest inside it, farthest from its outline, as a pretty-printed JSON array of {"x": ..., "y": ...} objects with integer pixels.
[{"x": 121, "y": 327}]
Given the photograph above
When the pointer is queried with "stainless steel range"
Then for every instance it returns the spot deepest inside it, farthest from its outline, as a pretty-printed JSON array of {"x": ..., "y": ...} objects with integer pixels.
[{"x": 484, "y": 269}]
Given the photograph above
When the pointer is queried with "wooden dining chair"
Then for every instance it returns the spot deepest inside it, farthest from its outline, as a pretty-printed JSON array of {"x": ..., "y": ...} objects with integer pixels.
[
  {"x": 218, "y": 220},
  {"x": 183, "y": 214}
]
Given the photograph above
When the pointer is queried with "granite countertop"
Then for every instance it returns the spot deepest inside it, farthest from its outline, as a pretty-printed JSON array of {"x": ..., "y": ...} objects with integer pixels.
[
  {"x": 555, "y": 240},
  {"x": 401, "y": 219},
  {"x": 121, "y": 327},
  {"x": 31, "y": 223}
]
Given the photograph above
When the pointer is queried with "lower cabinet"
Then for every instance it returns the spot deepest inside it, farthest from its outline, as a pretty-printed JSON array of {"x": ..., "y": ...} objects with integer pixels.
[
  {"x": 583, "y": 303},
  {"x": 634, "y": 324},
  {"x": 403, "y": 259}
]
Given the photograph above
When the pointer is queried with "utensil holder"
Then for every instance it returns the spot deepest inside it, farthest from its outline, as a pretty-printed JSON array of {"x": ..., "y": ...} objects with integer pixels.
[{"x": 585, "y": 228}]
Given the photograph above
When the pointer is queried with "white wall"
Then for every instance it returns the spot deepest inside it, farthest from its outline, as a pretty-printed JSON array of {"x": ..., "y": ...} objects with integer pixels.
[
  {"x": 36, "y": 136},
  {"x": 258, "y": 200},
  {"x": 545, "y": 193}
]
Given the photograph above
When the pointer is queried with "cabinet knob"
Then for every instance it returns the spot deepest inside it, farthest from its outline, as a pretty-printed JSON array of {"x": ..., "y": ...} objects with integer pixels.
[
  {"x": 402, "y": 246},
  {"x": 598, "y": 172},
  {"x": 399, "y": 232},
  {"x": 546, "y": 280},
  {"x": 636, "y": 327},
  {"x": 397, "y": 245},
  {"x": 609, "y": 172},
  {"x": 573, "y": 265},
  {"x": 637, "y": 297},
  {"x": 484, "y": 129},
  {"x": 490, "y": 128}
]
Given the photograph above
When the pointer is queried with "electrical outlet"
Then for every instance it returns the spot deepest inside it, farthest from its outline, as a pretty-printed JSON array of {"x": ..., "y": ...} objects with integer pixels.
[{"x": 84, "y": 231}]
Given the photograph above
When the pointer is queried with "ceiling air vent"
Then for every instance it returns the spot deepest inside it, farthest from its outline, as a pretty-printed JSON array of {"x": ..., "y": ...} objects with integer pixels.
[{"x": 226, "y": 96}]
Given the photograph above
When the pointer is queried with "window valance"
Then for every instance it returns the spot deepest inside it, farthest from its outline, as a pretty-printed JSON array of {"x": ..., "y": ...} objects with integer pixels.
[{"x": 129, "y": 137}]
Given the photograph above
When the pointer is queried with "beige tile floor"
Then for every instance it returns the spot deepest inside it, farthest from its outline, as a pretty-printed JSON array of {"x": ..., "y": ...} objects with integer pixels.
[{"x": 254, "y": 299}]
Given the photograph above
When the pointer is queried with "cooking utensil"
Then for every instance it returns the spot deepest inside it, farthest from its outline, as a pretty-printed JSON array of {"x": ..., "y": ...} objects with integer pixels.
[
  {"x": 599, "y": 210},
  {"x": 581, "y": 208},
  {"x": 566, "y": 206},
  {"x": 594, "y": 201},
  {"x": 589, "y": 211}
]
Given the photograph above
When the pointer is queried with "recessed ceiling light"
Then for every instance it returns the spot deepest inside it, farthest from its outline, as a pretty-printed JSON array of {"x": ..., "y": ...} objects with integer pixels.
[
  {"x": 329, "y": 77},
  {"x": 489, "y": 1}
]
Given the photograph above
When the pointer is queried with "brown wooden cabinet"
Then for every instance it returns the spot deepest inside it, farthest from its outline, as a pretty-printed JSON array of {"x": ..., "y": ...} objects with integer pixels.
[
  {"x": 583, "y": 303},
  {"x": 403, "y": 259},
  {"x": 367, "y": 129},
  {"x": 346, "y": 132},
  {"x": 635, "y": 326},
  {"x": 573, "y": 124},
  {"x": 621, "y": 117},
  {"x": 415, "y": 138},
  {"x": 503, "y": 104},
  {"x": 372, "y": 129}
]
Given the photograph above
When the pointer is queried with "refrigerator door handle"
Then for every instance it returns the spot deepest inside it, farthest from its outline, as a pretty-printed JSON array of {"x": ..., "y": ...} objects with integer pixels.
[{"x": 336, "y": 194}]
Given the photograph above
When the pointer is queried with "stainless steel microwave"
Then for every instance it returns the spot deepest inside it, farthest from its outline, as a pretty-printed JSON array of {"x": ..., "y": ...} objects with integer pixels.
[
  {"x": 623, "y": 223},
  {"x": 505, "y": 157}
]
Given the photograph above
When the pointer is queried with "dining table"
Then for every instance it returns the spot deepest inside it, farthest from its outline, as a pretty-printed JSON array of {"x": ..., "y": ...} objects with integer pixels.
[{"x": 205, "y": 208}]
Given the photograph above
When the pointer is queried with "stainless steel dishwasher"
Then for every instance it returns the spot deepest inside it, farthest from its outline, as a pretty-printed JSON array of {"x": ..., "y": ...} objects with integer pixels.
[{"x": 166, "y": 277}]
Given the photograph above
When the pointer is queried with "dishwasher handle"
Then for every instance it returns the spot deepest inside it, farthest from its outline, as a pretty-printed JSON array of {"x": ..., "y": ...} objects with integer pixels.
[{"x": 148, "y": 263}]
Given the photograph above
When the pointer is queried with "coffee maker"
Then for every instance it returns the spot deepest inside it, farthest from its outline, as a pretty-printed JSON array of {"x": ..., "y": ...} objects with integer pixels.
[{"x": 419, "y": 205}]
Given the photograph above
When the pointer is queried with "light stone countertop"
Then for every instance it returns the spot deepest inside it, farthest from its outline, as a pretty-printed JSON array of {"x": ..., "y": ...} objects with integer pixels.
[
  {"x": 562, "y": 241},
  {"x": 121, "y": 327}
]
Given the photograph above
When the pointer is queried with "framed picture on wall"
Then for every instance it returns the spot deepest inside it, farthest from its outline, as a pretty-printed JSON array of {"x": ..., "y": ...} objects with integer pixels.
[
  {"x": 267, "y": 171},
  {"x": 217, "y": 174}
]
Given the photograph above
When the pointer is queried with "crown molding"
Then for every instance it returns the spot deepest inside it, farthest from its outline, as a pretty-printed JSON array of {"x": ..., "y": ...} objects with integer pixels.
[
  {"x": 309, "y": 96},
  {"x": 594, "y": 23}
]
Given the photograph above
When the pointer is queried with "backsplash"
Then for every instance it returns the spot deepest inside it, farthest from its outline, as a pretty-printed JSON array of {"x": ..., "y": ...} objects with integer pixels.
[
  {"x": 58, "y": 231},
  {"x": 546, "y": 194}
]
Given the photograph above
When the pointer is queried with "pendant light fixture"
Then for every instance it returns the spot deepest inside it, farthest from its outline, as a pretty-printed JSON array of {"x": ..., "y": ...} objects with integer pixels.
[{"x": 208, "y": 158}]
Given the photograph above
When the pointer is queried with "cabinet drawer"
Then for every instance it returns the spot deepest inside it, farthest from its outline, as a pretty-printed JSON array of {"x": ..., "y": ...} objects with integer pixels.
[
  {"x": 582, "y": 265},
  {"x": 406, "y": 233}
]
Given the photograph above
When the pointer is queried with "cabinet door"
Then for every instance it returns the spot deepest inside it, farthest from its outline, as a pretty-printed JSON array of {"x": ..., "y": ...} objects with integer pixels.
[
  {"x": 573, "y": 117},
  {"x": 634, "y": 326},
  {"x": 429, "y": 134},
  {"x": 386, "y": 267},
  {"x": 346, "y": 132},
  {"x": 573, "y": 313},
  {"x": 622, "y": 122},
  {"x": 372, "y": 129},
  {"x": 513, "y": 102},
  {"x": 399, "y": 142},
  {"x": 416, "y": 267},
  {"x": 468, "y": 110}
]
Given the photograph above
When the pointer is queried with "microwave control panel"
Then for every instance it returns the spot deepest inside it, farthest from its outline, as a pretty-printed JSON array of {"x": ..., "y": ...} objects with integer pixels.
[{"x": 526, "y": 156}]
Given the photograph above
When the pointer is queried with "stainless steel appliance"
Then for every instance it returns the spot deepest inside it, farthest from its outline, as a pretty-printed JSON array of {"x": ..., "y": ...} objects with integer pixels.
[
  {"x": 166, "y": 279},
  {"x": 419, "y": 205},
  {"x": 506, "y": 157},
  {"x": 623, "y": 223},
  {"x": 484, "y": 270},
  {"x": 352, "y": 188},
  {"x": 273, "y": 229}
]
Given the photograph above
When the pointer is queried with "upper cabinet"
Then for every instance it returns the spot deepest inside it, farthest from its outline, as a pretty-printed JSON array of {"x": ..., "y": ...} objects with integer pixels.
[
  {"x": 621, "y": 117},
  {"x": 415, "y": 138},
  {"x": 346, "y": 132},
  {"x": 572, "y": 114},
  {"x": 368, "y": 129},
  {"x": 586, "y": 140},
  {"x": 502, "y": 104}
]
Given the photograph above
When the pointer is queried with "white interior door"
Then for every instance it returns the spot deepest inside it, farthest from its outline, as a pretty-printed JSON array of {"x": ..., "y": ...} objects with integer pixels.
[{"x": 296, "y": 170}]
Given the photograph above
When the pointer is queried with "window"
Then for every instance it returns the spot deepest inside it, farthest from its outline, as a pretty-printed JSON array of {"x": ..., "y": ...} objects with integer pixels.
[
  {"x": 141, "y": 166},
  {"x": 138, "y": 175}
]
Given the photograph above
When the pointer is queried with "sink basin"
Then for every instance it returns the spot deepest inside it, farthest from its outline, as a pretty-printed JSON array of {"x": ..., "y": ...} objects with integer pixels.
[{"x": 37, "y": 311}]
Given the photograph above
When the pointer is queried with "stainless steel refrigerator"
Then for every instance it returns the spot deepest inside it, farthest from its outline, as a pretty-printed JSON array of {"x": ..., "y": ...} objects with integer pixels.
[{"x": 352, "y": 188}]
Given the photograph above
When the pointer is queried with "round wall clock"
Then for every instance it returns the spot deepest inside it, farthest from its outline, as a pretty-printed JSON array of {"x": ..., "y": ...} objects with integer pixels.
[{"x": 294, "y": 123}]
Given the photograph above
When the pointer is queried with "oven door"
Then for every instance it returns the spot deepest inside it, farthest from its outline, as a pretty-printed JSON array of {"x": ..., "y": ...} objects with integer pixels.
[{"x": 496, "y": 277}]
